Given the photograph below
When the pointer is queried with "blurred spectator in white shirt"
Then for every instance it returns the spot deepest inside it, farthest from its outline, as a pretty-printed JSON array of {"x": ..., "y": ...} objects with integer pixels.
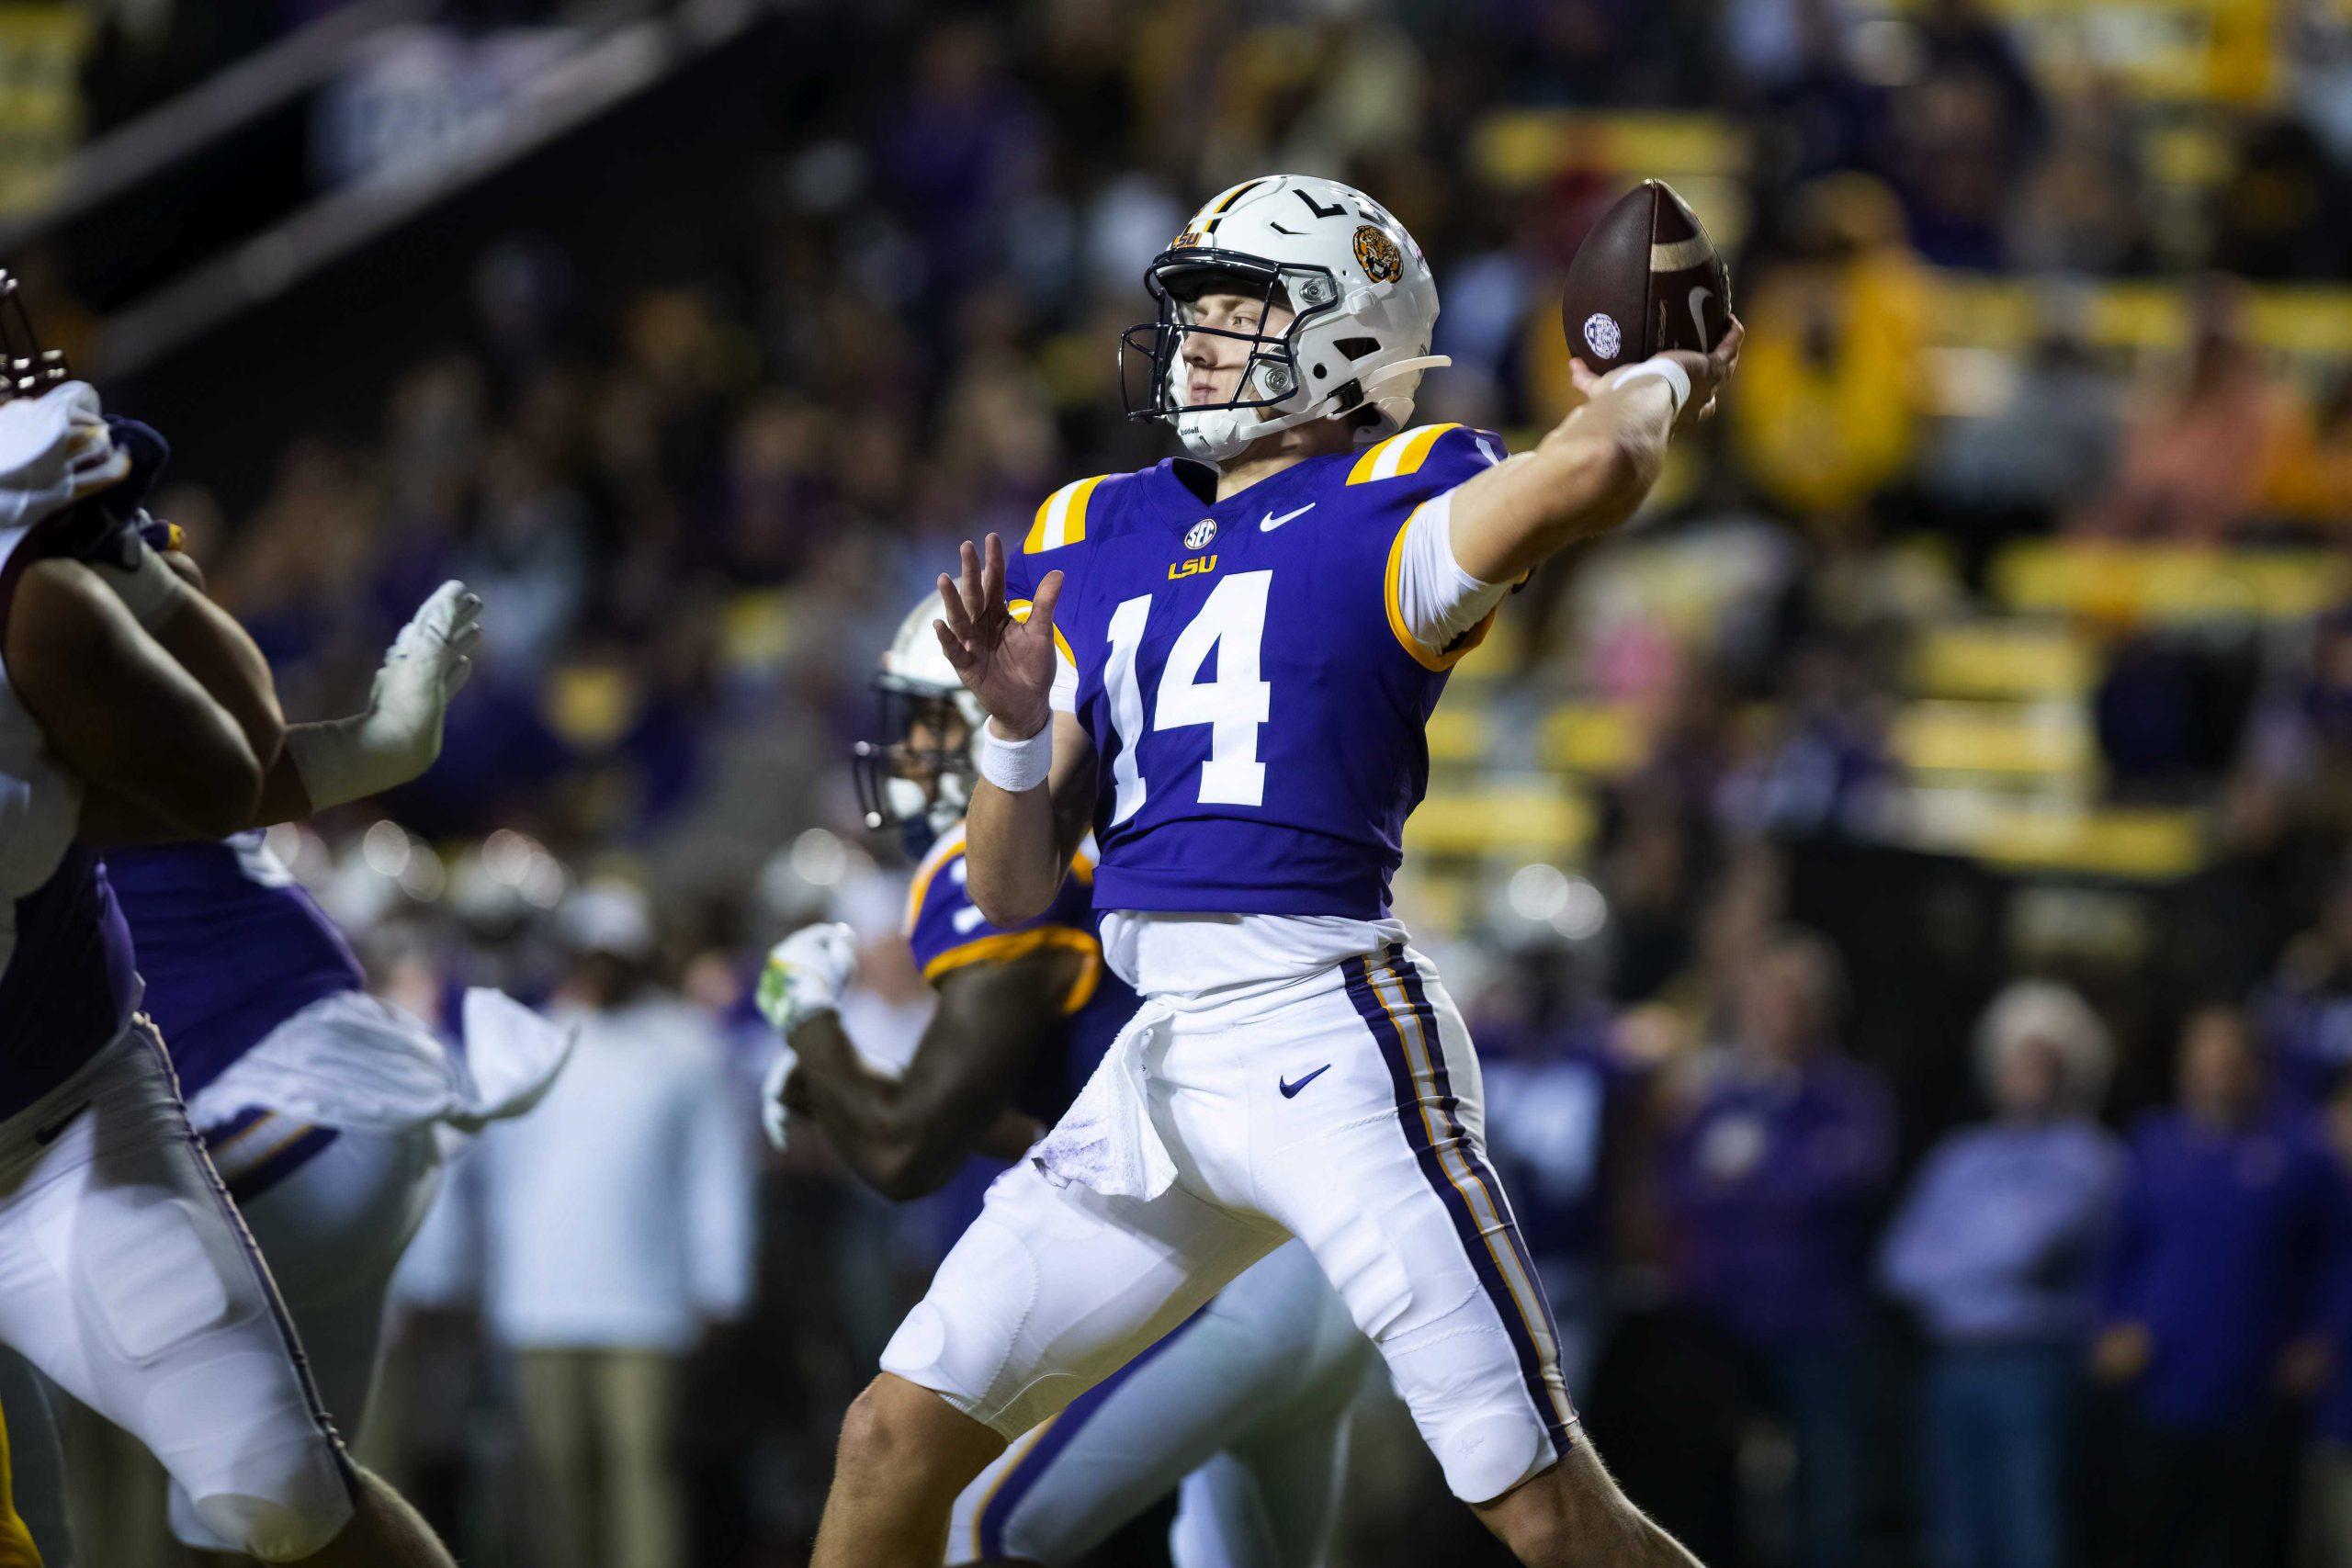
[{"x": 618, "y": 1227}]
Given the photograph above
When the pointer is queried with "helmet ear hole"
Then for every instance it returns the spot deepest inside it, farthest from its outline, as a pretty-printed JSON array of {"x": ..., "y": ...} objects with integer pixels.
[{"x": 1355, "y": 348}]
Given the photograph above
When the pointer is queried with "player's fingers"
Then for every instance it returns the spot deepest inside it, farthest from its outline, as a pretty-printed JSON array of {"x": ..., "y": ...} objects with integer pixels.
[
  {"x": 1582, "y": 375},
  {"x": 441, "y": 608},
  {"x": 952, "y": 646},
  {"x": 951, "y": 598},
  {"x": 461, "y": 670},
  {"x": 992, "y": 573},
  {"x": 1041, "y": 610},
  {"x": 1726, "y": 352},
  {"x": 967, "y": 582}
]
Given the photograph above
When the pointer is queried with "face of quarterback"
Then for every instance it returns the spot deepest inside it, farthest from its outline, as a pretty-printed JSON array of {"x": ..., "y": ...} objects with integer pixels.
[{"x": 1214, "y": 365}]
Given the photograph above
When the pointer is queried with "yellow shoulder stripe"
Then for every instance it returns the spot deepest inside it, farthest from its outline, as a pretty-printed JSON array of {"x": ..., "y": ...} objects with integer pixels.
[
  {"x": 1018, "y": 609},
  {"x": 1428, "y": 658},
  {"x": 950, "y": 845},
  {"x": 1401, "y": 454},
  {"x": 1003, "y": 947},
  {"x": 1061, "y": 517}
]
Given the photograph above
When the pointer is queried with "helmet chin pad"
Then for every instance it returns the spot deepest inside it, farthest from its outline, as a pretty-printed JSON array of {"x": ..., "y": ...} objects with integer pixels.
[{"x": 1216, "y": 435}]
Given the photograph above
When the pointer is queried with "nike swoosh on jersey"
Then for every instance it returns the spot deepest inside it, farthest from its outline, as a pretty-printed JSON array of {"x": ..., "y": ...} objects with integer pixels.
[
  {"x": 1271, "y": 522},
  {"x": 1290, "y": 1091}
]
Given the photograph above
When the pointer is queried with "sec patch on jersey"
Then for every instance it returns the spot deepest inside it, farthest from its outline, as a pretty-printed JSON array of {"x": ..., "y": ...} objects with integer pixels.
[{"x": 1645, "y": 279}]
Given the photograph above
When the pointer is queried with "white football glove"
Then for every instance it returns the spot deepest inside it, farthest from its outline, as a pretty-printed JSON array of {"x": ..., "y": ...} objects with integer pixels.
[
  {"x": 772, "y": 1115},
  {"x": 806, "y": 973},
  {"x": 398, "y": 735}
]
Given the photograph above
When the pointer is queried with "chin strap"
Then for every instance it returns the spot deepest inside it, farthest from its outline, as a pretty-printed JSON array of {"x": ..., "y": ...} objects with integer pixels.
[{"x": 1214, "y": 446}]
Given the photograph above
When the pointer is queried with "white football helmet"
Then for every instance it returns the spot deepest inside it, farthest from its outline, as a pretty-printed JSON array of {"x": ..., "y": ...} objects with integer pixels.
[
  {"x": 1363, "y": 305},
  {"x": 922, "y": 790}
]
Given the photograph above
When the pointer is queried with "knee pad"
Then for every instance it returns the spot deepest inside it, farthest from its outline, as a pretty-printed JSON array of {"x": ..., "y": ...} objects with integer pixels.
[{"x": 966, "y": 1340}]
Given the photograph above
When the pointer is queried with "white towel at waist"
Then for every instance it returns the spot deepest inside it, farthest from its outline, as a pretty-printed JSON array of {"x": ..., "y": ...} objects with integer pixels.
[
  {"x": 1106, "y": 1140},
  {"x": 352, "y": 1061}
]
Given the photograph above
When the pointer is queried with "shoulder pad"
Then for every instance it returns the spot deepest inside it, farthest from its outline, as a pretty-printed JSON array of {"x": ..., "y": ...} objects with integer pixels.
[
  {"x": 1409, "y": 451},
  {"x": 1061, "y": 517}
]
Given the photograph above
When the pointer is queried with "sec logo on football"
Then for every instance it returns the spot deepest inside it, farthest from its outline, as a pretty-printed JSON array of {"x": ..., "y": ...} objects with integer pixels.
[{"x": 1601, "y": 334}]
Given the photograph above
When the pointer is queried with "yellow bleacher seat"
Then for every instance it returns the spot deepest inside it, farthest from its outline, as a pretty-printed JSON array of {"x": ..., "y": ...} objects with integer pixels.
[
  {"x": 2311, "y": 322},
  {"x": 2002, "y": 658},
  {"x": 2165, "y": 583},
  {"x": 1591, "y": 738},
  {"x": 2140, "y": 843},
  {"x": 1457, "y": 733},
  {"x": 2009, "y": 739},
  {"x": 1540, "y": 819}
]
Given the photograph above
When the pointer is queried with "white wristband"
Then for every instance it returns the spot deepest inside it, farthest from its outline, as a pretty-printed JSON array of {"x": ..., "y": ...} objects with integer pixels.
[
  {"x": 1015, "y": 766},
  {"x": 1660, "y": 369}
]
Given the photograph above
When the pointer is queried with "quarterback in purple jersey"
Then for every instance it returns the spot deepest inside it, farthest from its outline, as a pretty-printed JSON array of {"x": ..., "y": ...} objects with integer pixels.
[
  {"x": 1242, "y": 1409},
  {"x": 1222, "y": 667}
]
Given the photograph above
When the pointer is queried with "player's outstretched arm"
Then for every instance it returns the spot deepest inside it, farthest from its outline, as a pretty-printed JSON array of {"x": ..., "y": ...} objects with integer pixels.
[
  {"x": 905, "y": 1134},
  {"x": 1594, "y": 468},
  {"x": 1036, "y": 790},
  {"x": 392, "y": 741},
  {"x": 127, "y": 718}
]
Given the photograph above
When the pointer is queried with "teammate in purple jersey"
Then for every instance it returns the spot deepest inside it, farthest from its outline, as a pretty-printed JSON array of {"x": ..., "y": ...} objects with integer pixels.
[
  {"x": 133, "y": 709},
  {"x": 1241, "y": 1410},
  {"x": 1223, "y": 669}
]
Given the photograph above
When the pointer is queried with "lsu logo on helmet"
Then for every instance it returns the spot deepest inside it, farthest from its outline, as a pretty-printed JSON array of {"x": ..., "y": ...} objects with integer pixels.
[{"x": 1378, "y": 255}]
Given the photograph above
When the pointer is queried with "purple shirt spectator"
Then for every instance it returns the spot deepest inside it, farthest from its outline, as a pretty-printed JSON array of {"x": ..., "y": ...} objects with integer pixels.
[
  {"x": 1999, "y": 1239},
  {"x": 1771, "y": 1186},
  {"x": 2221, "y": 1253}
]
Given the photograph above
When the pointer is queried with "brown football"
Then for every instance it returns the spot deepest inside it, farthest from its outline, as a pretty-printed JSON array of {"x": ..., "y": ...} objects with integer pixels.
[{"x": 1645, "y": 279}]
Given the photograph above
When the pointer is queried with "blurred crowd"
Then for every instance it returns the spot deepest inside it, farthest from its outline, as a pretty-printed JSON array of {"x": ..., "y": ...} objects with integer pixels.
[{"x": 1882, "y": 1228}]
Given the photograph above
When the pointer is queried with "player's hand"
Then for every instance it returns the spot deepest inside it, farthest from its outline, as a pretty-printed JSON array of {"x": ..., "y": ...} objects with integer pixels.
[
  {"x": 1007, "y": 663},
  {"x": 425, "y": 666},
  {"x": 398, "y": 735},
  {"x": 806, "y": 973},
  {"x": 1708, "y": 373},
  {"x": 775, "y": 1116}
]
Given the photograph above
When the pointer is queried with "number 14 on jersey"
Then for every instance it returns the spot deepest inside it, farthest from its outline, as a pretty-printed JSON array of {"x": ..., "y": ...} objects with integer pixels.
[{"x": 1232, "y": 624}]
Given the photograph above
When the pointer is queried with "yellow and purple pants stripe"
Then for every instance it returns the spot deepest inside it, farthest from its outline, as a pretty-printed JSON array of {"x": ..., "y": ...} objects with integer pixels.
[{"x": 1388, "y": 995}]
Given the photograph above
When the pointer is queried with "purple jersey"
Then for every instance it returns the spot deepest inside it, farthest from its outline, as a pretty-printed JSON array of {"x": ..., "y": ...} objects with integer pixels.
[
  {"x": 946, "y": 931},
  {"x": 66, "y": 981},
  {"x": 1256, "y": 701},
  {"x": 230, "y": 944}
]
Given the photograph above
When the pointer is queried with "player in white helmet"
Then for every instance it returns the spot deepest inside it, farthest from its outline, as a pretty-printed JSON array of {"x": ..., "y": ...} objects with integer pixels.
[
  {"x": 1245, "y": 1404},
  {"x": 1222, "y": 666}
]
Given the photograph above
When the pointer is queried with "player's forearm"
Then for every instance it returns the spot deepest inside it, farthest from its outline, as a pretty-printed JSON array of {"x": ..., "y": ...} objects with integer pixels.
[
  {"x": 1013, "y": 868},
  {"x": 1587, "y": 477},
  {"x": 879, "y": 1134}
]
